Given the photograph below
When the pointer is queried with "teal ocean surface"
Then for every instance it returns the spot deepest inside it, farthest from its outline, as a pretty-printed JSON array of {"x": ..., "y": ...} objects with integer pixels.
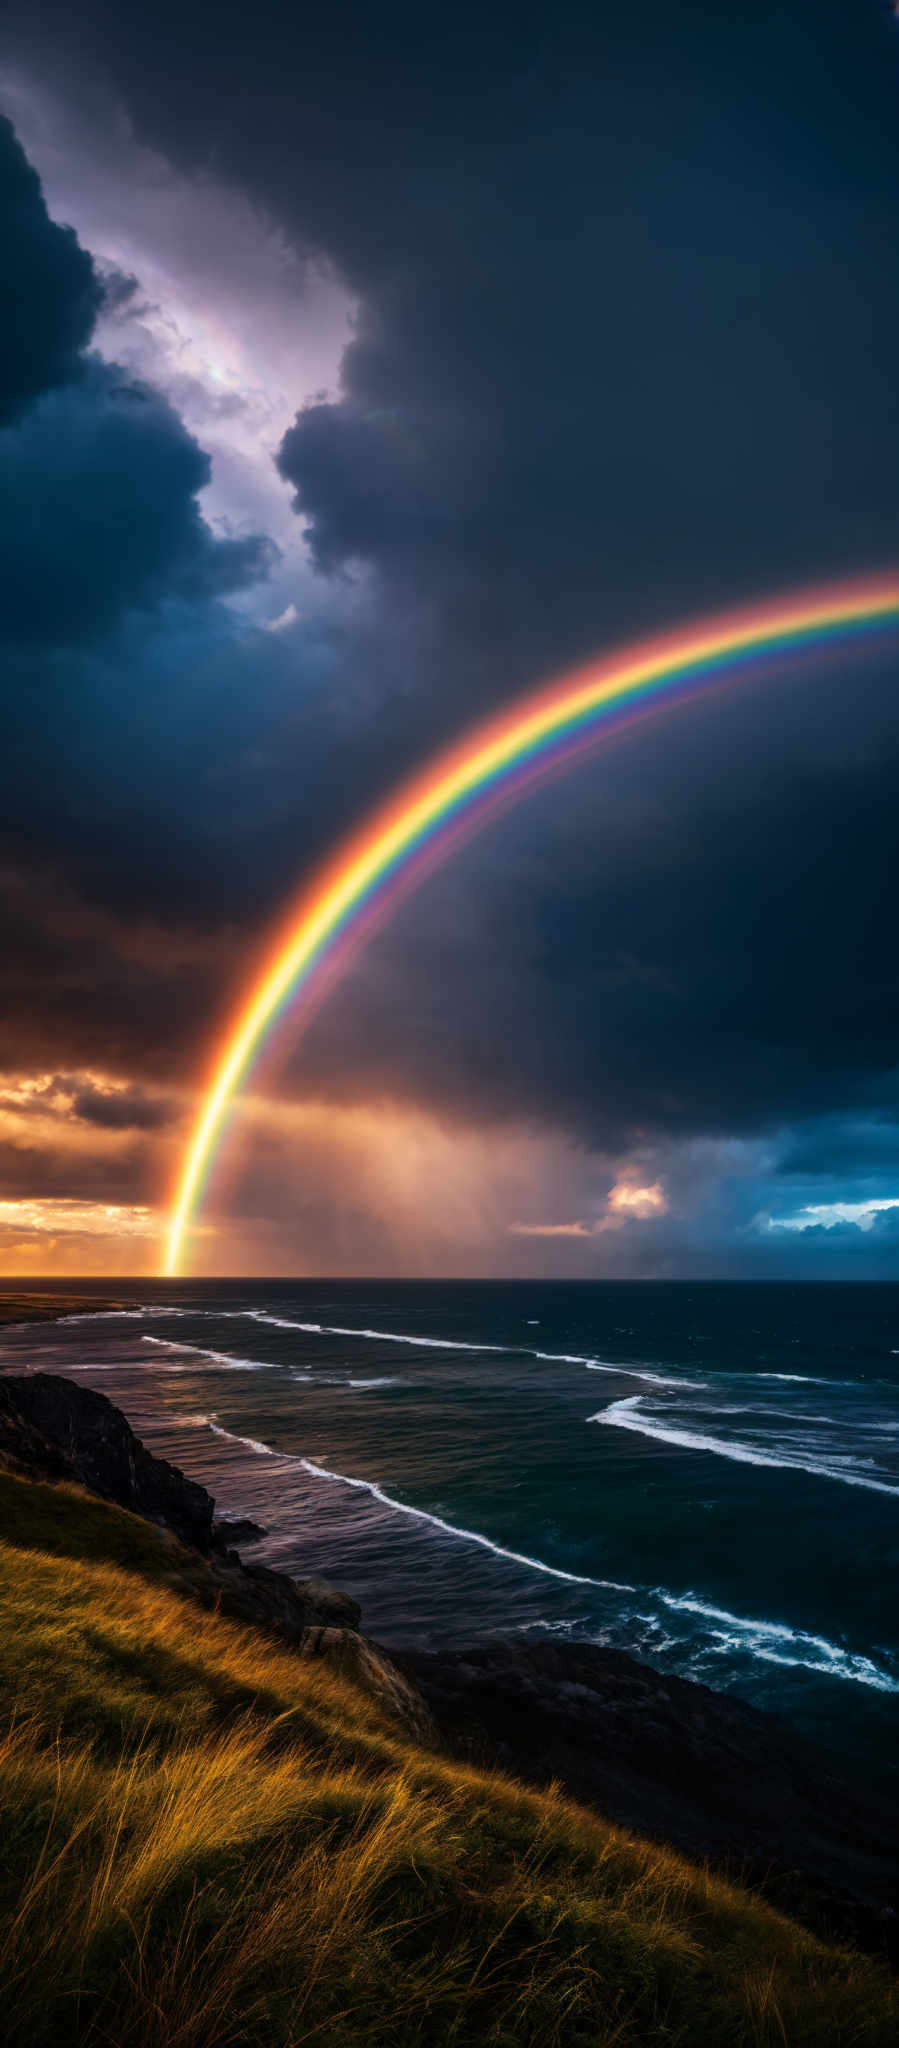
[{"x": 706, "y": 1475}]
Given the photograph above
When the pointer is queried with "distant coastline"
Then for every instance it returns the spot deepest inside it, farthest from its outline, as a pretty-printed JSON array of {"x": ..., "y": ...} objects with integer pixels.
[{"x": 26, "y": 1306}]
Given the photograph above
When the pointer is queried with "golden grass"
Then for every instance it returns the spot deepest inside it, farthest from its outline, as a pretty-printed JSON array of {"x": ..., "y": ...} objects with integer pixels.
[{"x": 209, "y": 1841}]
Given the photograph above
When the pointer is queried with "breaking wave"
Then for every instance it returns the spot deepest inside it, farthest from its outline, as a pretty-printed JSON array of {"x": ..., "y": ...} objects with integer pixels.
[
  {"x": 776, "y": 1643},
  {"x": 400, "y": 1507},
  {"x": 627, "y": 1372},
  {"x": 806, "y": 1378},
  {"x": 380, "y": 1336},
  {"x": 123, "y": 1315},
  {"x": 222, "y": 1358},
  {"x": 630, "y": 1372},
  {"x": 623, "y": 1415}
]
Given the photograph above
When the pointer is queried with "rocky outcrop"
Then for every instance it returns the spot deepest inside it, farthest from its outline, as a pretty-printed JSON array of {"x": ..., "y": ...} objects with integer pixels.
[
  {"x": 671, "y": 1759},
  {"x": 368, "y": 1666},
  {"x": 267, "y": 1599},
  {"x": 54, "y": 1429},
  {"x": 233, "y": 1531}
]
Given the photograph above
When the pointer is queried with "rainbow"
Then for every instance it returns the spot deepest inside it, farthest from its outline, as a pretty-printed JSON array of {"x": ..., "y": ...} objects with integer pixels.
[{"x": 422, "y": 820}]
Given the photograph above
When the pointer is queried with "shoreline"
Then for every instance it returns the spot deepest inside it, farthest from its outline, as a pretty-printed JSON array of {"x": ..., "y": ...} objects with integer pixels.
[{"x": 700, "y": 1771}]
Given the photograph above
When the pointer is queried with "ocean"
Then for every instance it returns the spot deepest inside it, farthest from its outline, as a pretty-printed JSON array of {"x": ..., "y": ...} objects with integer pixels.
[{"x": 706, "y": 1475}]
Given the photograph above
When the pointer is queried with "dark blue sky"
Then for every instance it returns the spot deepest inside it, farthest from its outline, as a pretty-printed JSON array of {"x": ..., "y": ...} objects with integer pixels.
[{"x": 356, "y": 371}]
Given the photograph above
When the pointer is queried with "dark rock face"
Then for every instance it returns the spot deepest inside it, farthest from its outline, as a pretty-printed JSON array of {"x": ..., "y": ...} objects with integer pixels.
[
  {"x": 251, "y": 1592},
  {"x": 671, "y": 1759},
  {"x": 235, "y": 1530},
  {"x": 51, "y": 1428},
  {"x": 58, "y": 1430}
]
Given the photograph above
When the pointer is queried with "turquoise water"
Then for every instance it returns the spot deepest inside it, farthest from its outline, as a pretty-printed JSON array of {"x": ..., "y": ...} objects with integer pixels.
[{"x": 705, "y": 1475}]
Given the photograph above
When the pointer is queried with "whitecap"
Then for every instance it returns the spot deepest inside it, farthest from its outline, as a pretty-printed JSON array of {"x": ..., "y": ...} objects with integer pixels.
[
  {"x": 86, "y": 1365},
  {"x": 258, "y": 1315},
  {"x": 805, "y": 1378},
  {"x": 250, "y": 1443},
  {"x": 776, "y": 1643},
  {"x": 125, "y": 1315},
  {"x": 222, "y": 1358},
  {"x": 622, "y": 1415},
  {"x": 377, "y": 1336},
  {"x": 633, "y": 1372}
]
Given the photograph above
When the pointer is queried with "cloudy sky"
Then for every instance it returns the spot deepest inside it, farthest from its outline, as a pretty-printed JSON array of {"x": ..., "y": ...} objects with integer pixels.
[{"x": 360, "y": 368}]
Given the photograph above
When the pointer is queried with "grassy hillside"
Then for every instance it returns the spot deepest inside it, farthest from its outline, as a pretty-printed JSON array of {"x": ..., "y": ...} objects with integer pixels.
[{"x": 208, "y": 1840}]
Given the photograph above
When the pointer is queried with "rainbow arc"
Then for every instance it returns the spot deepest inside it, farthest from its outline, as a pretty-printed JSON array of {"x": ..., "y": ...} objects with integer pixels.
[{"x": 421, "y": 822}]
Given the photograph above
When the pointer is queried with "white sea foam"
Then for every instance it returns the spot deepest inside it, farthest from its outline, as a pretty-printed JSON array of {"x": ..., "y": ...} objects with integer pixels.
[
  {"x": 251, "y": 1443},
  {"x": 377, "y": 1336},
  {"x": 123, "y": 1315},
  {"x": 572, "y": 1358},
  {"x": 623, "y": 1415},
  {"x": 776, "y": 1643},
  {"x": 805, "y": 1377},
  {"x": 622, "y": 1372},
  {"x": 770, "y": 1641},
  {"x": 401, "y": 1507},
  {"x": 306, "y": 1378},
  {"x": 88, "y": 1365},
  {"x": 258, "y": 1315},
  {"x": 467, "y": 1535},
  {"x": 782, "y": 1417},
  {"x": 222, "y": 1358},
  {"x": 631, "y": 1372},
  {"x": 453, "y": 1344}
]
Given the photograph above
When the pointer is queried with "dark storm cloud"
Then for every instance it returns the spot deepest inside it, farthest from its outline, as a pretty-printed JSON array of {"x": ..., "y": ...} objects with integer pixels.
[
  {"x": 39, "y": 1172},
  {"x": 49, "y": 293},
  {"x": 98, "y": 475},
  {"x": 862, "y": 1149},
  {"x": 625, "y": 348},
  {"x": 121, "y": 1109},
  {"x": 636, "y": 965},
  {"x": 99, "y": 513},
  {"x": 111, "y": 1109},
  {"x": 110, "y": 587},
  {"x": 86, "y": 988},
  {"x": 627, "y": 311}
]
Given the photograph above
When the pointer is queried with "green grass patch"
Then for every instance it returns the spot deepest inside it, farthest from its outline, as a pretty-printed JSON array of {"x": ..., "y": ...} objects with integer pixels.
[{"x": 210, "y": 1841}]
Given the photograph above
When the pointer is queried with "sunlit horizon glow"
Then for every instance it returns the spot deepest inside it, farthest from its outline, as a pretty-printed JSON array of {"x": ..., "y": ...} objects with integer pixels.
[
  {"x": 65, "y": 1215},
  {"x": 500, "y": 757}
]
